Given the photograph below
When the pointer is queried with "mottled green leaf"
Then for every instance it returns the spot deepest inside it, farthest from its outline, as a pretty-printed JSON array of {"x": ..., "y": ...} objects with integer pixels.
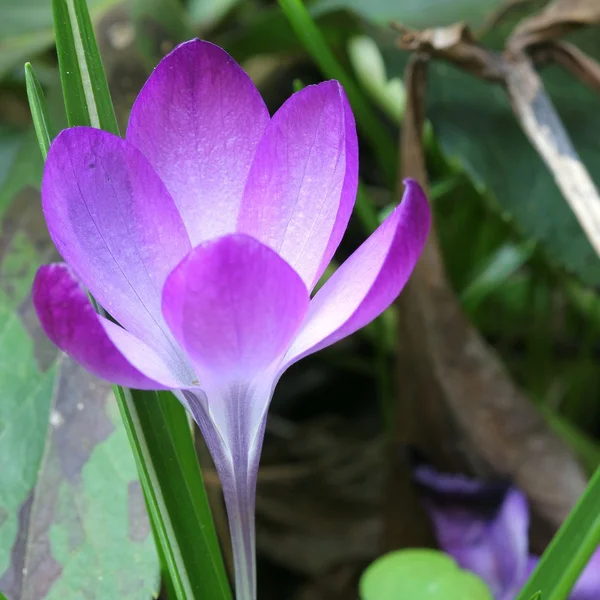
[
  {"x": 26, "y": 381},
  {"x": 420, "y": 574},
  {"x": 76, "y": 519},
  {"x": 88, "y": 534}
]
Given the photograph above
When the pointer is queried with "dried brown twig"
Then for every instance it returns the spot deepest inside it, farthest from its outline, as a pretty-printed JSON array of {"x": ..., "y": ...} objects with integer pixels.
[{"x": 555, "y": 21}]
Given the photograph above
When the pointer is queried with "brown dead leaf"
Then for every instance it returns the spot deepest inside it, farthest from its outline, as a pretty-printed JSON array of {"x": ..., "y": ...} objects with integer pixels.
[
  {"x": 571, "y": 58},
  {"x": 454, "y": 43},
  {"x": 542, "y": 125},
  {"x": 509, "y": 9},
  {"x": 558, "y": 19},
  {"x": 410, "y": 526},
  {"x": 531, "y": 104},
  {"x": 468, "y": 415}
]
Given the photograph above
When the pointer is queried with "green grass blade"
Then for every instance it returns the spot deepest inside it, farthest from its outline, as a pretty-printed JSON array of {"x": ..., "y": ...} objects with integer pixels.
[
  {"x": 156, "y": 424},
  {"x": 159, "y": 433},
  {"x": 568, "y": 553},
  {"x": 39, "y": 110},
  {"x": 369, "y": 124},
  {"x": 495, "y": 271},
  {"x": 85, "y": 90}
]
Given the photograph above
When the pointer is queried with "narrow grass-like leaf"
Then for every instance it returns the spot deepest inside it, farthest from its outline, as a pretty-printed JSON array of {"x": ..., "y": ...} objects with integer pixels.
[
  {"x": 495, "y": 271},
  {"x": 159, "y": 433},
  {"x": 39, "y": 110},
  {"x": 371, "y": 127},
  {"x": 85, "y": 90},
  {"x": 568, "y": 553},
  {"x": 158, "y": 429}
]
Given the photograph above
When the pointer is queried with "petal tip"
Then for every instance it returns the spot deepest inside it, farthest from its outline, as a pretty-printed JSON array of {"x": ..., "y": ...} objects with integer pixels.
[
  {"x": 331, "y": 87},
  {"x": 51, "y": 284},
  {"x": 195, "y": 45},
  {"x": 413, "y": 186},
  {"x": 416, "y": 199}
]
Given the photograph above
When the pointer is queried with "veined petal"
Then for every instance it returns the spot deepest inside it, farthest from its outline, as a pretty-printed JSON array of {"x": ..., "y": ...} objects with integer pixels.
[
  {"x": 368, "y": 282},
  {"x": 302, "y": 184},
  {"x": 102, "y": 347},
  {"x": 198, "y": 120},
  {"x": 115, "y": 224},
  {"x": 234, "y": 305}
]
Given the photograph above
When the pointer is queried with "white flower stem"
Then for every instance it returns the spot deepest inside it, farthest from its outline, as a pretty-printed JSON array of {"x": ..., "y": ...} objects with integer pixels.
[
  {"x": 238, "y": 480},
  {"x": 239, "y": 499},
  {"x": 236, "y": 456}
]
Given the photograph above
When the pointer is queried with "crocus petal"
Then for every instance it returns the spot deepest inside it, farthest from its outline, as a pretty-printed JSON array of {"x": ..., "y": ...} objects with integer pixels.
[
  {"x": 509, "y": 539},
  {"x": 368, "y": 282},
  {"x": 234, "y": 305},
  {"x": 302, "y": 184},
  {"x": 483, "y": 526},
  {"x": 115, "y": 224},
  {"x": 198, "y": 120},
  {"x": 103, "y": 348}
]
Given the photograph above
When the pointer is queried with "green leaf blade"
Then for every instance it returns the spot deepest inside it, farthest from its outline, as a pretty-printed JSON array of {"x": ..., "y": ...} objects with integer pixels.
[
  {"x": 85, "y": 89},
  {"x": 176, "y": 497},
  {"x": 39, "y": 110},
  {"x": 570, "y": 550}
]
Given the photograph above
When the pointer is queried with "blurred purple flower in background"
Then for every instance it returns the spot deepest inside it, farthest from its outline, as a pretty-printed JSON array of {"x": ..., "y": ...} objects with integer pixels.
[
  {"x": 485, "y": 527},
  {"x": 203, "y": 234}
]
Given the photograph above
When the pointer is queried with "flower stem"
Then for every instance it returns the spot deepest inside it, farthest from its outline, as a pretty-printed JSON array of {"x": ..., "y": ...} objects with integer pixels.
[
  {"x": 236, "y": 456},
  {"x": 239, "y": 496}
]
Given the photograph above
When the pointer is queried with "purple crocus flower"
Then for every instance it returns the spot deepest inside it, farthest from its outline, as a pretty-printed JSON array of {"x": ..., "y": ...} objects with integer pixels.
[
  {"x": 203, "y": 234},
  {"x": 485, "y": 527}
]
